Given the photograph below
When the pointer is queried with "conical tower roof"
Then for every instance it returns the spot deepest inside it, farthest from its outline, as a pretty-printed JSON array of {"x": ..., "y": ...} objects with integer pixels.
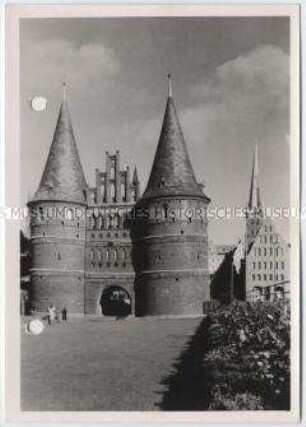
[
  {"x": 63, "y": 177},
  {"x": 172, "y": 173}
]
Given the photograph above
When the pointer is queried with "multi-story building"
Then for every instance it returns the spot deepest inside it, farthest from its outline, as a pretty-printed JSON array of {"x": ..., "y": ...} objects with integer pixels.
[
  {"x": 267, "y": 254},
  {"x": 83, "y": 257},
  {"x": 258, "y": 267}
]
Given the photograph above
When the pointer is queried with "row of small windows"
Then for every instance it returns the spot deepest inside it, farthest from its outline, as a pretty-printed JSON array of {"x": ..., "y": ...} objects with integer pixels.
[
  {"x": 265, "y": 277},
  {"x": 108, "y": 223},
  {"x": 101, "y": 236},
  {"x": 264, "y": 265},
  {"x": 63, "y": 223},
  {"x": 272, "y": 239},
  {"x": 264, "y": 238},
  {"x": 110, "y": 254},
  {"x": 268, "y": 251},
  {"x": 108, "y": 264}
]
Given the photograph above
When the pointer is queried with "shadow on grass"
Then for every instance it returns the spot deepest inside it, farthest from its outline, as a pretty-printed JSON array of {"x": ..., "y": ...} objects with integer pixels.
[{"x": 186, "y": 386}]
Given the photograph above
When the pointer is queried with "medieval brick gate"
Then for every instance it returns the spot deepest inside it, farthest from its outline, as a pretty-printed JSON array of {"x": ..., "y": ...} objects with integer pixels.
[{"x": 104, "y": 295}]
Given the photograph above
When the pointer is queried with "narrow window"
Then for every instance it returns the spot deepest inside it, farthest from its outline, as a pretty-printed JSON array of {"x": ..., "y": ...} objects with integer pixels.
[
  {"x": 123, "y": 196},
  {"x": 112, "y": 172},
  {"x": 112, "y": 191}
]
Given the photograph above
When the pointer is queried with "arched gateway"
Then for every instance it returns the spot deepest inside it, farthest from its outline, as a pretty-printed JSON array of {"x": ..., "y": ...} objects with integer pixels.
[{"x": 115, "y": 301}]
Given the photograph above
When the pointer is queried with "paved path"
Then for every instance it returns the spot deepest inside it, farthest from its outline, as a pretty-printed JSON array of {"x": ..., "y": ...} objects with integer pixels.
[{"x": 96, "y": 364}]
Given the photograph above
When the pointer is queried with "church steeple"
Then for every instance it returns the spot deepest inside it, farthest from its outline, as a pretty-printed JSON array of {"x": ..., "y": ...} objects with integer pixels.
[
  {"x": 135, "y": 180},
  {"x": 254, "y": 203},
  {"x": 172, "y": 173},
  {"x": 63, "y": 177}
]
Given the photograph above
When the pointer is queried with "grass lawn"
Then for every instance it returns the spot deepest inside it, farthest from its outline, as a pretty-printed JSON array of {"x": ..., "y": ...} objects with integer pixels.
[{"x": 98, "y": 364}]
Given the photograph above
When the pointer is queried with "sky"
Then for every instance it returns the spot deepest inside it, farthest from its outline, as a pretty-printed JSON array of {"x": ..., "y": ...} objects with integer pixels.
[{"x": 230, "y": 79}]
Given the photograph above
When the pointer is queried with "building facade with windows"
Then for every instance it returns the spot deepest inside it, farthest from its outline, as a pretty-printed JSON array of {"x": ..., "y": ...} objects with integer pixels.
[
  {"x": 258, "y": 267},
  {"x": 85, "y": 255},
  {"x": 80, "y": 242},
  {"x": 108, "y": 246},
  {"x": 267, "y": 254}
]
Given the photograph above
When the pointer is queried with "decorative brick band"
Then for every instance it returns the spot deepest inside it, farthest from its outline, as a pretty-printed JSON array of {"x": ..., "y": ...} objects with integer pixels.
[
  {"x": 181, "y": 272},
  {"x": 110, "y": 275},
  {"x": 67, "y": 238},
  {"x": 164, "y": 238},
  {"x": 39, "y": 270}
]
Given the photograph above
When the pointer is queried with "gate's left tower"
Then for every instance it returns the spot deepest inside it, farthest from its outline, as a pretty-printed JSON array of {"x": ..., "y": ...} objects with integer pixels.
[{"x": 57, "y": 225}]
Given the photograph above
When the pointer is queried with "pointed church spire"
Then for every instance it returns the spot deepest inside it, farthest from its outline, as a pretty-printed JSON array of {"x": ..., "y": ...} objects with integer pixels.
[
  {"x": 63, "y": 177},
  {"x": 135, "y": 177},
  {"x": 254, "y": 199},
  {"x": 169, "y": 86},
  {"x": 172, "y": 173}
]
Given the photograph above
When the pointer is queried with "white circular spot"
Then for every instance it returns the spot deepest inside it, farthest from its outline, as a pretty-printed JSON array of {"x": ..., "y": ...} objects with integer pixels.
[
  {"x": 35, "y": 327},
  {"x": 38, "y": 103}
]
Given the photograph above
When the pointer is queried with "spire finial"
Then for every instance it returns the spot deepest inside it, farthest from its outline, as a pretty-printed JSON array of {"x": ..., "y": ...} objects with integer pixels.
[
  {"x": 169, "y": 86},
  {"x": 64, "y": 91}
]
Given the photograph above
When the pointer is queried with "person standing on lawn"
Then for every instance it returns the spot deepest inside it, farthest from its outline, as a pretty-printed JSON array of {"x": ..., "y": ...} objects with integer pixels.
[{"x": 64, "y": 314}]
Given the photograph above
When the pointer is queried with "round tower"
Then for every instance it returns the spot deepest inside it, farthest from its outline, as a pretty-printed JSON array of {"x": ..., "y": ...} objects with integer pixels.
[
  {"x": 170, "y": 244},
  {"x": 57, "y": 224}
]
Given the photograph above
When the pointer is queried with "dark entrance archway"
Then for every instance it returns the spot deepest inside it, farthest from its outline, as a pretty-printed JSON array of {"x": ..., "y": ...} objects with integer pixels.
[{"x": 115, "y": 301}]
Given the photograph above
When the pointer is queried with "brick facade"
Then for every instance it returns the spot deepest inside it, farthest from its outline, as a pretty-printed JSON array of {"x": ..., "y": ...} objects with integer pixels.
[
  {"x": 86, "y": 240},
  {"x": 170, "y": 231}
]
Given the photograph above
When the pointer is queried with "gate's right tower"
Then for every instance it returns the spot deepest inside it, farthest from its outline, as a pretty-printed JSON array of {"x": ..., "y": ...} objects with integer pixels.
[{"x": 170, "y": 243}]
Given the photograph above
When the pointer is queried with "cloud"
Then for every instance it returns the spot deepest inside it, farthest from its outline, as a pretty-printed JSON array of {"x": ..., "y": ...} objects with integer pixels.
[
  {"x": 264, "y": 71},
  {"x": 246, "y": 100},
  {"x": 61, "y": 60}
]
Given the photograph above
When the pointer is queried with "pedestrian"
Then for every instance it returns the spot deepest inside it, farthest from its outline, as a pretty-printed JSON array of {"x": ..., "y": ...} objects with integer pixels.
[
  {"x": 49, "y": 315},
  {"x": 64, "y": 314}
]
